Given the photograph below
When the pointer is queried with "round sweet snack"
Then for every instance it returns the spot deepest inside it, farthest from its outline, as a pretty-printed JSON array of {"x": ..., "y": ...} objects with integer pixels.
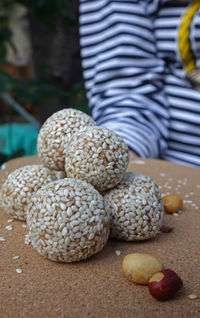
[
  {"x": 136, "y": 208},
  {"x": 56, "y": 133},
  {"x": 20, "y": 185},
  {"x": 97, "y": 155},
  {"x": 67, "y": 221}
]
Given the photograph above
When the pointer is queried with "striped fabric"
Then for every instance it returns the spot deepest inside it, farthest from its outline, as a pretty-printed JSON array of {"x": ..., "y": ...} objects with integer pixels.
[{"x": 134, "y": 58}]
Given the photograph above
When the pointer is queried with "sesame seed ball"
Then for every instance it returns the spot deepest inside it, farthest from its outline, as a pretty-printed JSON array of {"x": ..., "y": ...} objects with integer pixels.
[
  {"x": 56, "y": 133},
  {"x": 135, "y": 207},
  {"x": 97, "y": 155},
  {"x": 67, "y": 221},
  {"x": 20, "y": 185}
]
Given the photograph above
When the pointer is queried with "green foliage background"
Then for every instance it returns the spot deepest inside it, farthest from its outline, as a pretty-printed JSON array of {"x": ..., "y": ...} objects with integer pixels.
[
  {"x": 47, "y": 12},
  {"x": 34, "y": 90}
]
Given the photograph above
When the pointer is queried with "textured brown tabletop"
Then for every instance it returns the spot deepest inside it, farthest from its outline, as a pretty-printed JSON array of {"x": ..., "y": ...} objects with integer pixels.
[{"x": 97, "y": 287}]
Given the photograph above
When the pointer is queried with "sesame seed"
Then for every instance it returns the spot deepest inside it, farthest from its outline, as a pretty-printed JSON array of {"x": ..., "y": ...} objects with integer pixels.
[
  {"x": 193, "y": 296},
  {"x": 2, "y": 239},
  {"x": 3, "y": 166},
  {"x": 77, "y": 235},
  {"x": 9, "y": 227},
  {"x": 27, "y": 239},
  {"x": 73, "y": 223},
  {"x": 19, "y": 270},
  {"x": 64, "y": 231},
  {"x": 138, "y": 162},
  {"x": 91, "y": 236},
  {"x": 118, "y": 253},
  {"x": 84, "y": 216},
  {"x": 15, "y": 257}
]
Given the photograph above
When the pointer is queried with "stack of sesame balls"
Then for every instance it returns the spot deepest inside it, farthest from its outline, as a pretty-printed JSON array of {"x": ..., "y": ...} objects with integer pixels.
[{"x": 70, "y": 218}]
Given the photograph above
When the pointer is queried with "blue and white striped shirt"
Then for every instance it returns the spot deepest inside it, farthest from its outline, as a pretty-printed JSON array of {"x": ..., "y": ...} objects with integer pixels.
[{"x": 135, "y": 58}]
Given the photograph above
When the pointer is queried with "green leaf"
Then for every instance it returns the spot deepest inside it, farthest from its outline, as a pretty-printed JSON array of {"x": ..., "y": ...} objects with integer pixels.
[
  {"x": 8, "y": 2},
  {"x": 67, "y": 20},
  {"x": 3, "y": 21},
  {"x": 47, "y": 91},
  {"x": 24, "y": 94},
  {"x": 3, "y": 53},
  {"x": 5, "y": 34},
  {"x": 48, "y": 12},
  {"x": 7, "y": 83},
  {"x": 3, "y": 158}
]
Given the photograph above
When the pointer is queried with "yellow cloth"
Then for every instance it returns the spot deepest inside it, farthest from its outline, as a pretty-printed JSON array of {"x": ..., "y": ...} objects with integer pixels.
[{"x": 184, "y": 36}]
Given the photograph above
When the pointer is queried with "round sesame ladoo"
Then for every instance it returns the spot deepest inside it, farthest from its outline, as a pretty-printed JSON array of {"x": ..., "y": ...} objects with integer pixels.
[
  {"x": 20, "y": 185},
  {"x": 97, "y": 155},
  {"x": 56, "y": 133},
  {"x": 67, "y": 221},
  {"x": 136, "y": 208}
]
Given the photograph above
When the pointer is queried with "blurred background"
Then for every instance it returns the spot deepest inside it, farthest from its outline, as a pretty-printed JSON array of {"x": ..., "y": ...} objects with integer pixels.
[{"x": 40, "y": 69}]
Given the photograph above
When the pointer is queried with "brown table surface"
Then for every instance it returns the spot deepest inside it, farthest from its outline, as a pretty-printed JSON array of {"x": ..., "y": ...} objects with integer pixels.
[{"x": 97, "y": 287}]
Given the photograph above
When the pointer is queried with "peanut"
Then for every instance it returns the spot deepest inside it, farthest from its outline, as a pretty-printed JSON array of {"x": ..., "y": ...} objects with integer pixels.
[
  {"x": 172, "y": 203},
  {"x": 165, "y": 284},
  {"x": 139, "y": 267}
]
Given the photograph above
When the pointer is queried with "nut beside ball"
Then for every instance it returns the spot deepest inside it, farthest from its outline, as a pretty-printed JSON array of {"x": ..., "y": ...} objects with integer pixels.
[
  {"x": 172, "y": 203},
  {"x": 139, "y": 267},
  {"x": 164, "y": 284}
]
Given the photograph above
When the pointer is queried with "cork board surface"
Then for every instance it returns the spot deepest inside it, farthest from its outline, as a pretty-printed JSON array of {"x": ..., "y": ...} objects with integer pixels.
[{"x": 97, "y": 287}]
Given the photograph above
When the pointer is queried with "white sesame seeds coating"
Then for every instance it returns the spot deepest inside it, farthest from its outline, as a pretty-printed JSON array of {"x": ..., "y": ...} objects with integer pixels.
[
  {"x": 68, "y": 234},
  {"x": 56, "y": 133},
  {"x": 97, "y": 155},
  {"x": 20, "y": 185},
  {"x": 136, "y": 208}
]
